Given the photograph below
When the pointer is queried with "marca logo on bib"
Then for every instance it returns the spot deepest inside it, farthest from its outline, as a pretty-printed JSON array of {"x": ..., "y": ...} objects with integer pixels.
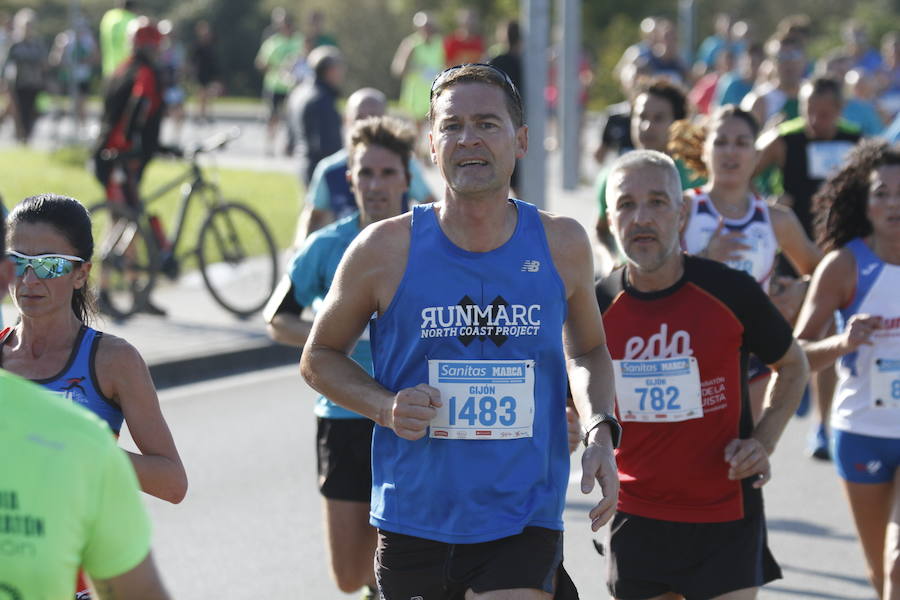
[{"x": 659, "y": 345}]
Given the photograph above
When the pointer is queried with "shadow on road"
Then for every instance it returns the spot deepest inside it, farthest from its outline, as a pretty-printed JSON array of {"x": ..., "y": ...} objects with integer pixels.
[
  {"x": 806, "y": 528},
  {"x": 860, "y": 581},
  {"x": 812, "y": 594}
]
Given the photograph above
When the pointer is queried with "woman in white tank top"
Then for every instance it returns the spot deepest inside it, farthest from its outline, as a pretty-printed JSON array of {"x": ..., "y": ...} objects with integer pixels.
[
  {"x": 729, "y": 223},
  {"x": 859, "y": 220}
]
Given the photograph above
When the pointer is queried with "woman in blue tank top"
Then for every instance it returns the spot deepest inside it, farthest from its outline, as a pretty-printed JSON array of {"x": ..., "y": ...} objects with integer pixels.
[
  {"x": 49, "y": 239},
  {"x": 859, "y": 218}
]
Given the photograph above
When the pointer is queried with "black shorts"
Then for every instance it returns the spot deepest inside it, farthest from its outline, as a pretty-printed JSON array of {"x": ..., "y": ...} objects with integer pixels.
[
  {"x": 344, "y": 452},
  {"x": 411, "y": 567},
  {"x": 275, "y": 101},
  {"x": 649, "y": 558},
  {"x": 756, "y": 369}
]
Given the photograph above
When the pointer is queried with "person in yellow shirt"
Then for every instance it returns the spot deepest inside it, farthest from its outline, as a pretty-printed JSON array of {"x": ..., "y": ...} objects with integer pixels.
[
  {"x": 115, "y": 46},
  {"x": 69, "y": 499}
]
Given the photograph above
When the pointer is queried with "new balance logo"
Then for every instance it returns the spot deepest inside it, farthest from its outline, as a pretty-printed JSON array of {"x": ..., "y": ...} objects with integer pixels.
[{"x": 531, "y": 266}]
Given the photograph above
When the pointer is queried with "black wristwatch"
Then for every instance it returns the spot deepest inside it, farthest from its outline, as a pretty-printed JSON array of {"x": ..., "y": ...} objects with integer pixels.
[{"x": 615, "y": 429}]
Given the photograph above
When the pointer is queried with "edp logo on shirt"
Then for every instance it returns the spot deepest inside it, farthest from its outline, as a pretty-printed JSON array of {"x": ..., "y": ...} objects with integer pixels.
[{"x": 659, "y": 345}]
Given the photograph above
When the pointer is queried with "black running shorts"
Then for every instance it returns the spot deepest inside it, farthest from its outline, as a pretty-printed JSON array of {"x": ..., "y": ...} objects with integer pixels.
[
  {"x": 344, "y": 451},
  {"x": 411, "y": 567},
  {"x": 649, "y": 558}
]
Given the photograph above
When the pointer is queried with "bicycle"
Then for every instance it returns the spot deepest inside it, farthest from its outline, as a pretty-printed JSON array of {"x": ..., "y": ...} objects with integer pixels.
[{"x": 235, "y": 251}]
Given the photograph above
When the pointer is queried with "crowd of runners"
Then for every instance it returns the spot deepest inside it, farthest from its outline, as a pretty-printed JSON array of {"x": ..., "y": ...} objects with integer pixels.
[{"x": 464, "y": 345}]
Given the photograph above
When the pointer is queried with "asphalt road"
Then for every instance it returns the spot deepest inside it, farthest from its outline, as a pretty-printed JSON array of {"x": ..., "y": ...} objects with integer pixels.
[{"x": 250, "y": 526}]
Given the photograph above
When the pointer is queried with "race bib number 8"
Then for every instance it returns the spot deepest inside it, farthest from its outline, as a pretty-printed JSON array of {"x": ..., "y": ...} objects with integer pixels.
[
  {"x": 825, "y": 158},
  {"x": 658, "y": 391},
  {"x": 886, "y": 383},
  {"x": 483, "y": 399}
]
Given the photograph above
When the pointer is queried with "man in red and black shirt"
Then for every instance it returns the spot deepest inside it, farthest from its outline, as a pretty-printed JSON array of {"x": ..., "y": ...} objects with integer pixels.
[
  {"x": 132, "y": 113},
  {"x": 691, "y": 462}
]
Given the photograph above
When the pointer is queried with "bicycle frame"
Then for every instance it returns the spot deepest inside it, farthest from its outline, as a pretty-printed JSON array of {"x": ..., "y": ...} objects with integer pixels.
[{"x": 191, "y": 181}]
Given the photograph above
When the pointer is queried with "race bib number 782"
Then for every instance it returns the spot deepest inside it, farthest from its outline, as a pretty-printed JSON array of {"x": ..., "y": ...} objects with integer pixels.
[{"x": 658, "y": 391}]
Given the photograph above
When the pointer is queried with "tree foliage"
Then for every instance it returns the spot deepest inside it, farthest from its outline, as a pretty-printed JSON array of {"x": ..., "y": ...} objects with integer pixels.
[{"x": 370, "y": 30}]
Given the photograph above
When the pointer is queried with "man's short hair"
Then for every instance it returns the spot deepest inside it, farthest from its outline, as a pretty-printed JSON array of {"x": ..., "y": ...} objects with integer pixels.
[
  {"x": 390, "y": 133},
  {"x": 479, "y": 73},
  {"x": 364, "y": 95},
  {"x": 821, "y": 86},
  {"x": 784, "y": 39},
  {"x": 663, "y": 88},
  {"x": 638, "y": 159},
  {"x": 322, "y": 58}
]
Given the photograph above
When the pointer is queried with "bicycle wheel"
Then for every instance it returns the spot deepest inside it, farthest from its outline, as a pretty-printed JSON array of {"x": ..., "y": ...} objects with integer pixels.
[
  {"x": 126, "y": 260},
  {"x": 237, "y": 258}
]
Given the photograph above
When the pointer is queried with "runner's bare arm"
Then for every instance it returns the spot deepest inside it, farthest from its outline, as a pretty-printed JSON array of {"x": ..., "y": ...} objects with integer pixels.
[
  {"x": 584, "y": 341},
  {"x": 124, "y": 377},
  {"x": 832, "y": 287},
  {"x": 757, "y": 106},
  {"x": 748, "y": 457},
  {"x": 140, "y": 583},
  {"x": 365, "y": 282},
  {"x": 587, "y": 359},
  {"x": 289, "y": 329},
  {"x": 401, "y": 57},
  {"x": 803, "y": 254},
  {"x": 789, "y": 377},
  {"x": 284, "y": 316},
  {"x": 311, "y": 219},
  {"x": 772, "y": 151}
]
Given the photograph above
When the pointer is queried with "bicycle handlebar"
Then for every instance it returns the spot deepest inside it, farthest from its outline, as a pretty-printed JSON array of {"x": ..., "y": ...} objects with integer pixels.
[
  {"x": 210, "y": 144},
  {"x": 111, "y": 154},
  {"x": 216, "y": 141}
]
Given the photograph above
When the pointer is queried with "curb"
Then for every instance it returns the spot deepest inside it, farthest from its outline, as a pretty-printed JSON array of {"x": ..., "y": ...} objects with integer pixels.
[{"x": 172, "y": 373}]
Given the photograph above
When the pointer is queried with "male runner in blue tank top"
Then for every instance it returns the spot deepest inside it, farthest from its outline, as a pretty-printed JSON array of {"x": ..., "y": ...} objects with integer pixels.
[
  {"x": 480, "y": 306},
  {"x": 379, "y": 151}
]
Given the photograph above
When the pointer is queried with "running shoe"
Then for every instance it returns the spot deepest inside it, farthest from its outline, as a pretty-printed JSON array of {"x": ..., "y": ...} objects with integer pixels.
[
  {"x": 818, "y": 444},
  {"x": 803, "y": 407},
  {"x": 170, "y": 266}
]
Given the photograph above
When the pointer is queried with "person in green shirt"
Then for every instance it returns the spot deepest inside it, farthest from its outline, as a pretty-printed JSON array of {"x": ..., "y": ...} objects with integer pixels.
[
  {"x": 69, "y": 499},
  {"x": 277, "y": 58},
  {"x": 115, "y": 46},
  {"x": 657, "y": 104},
  {"x": 417, "y": 61}
]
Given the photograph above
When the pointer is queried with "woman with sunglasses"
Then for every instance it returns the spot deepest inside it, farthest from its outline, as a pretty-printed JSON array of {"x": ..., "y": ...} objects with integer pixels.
[
  {"x": 49, "y": 240},
  {"x": 858, "y": 216}
]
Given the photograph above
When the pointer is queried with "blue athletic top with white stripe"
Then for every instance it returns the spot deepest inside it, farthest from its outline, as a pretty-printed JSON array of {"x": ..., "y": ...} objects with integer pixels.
[
  {"x": 78, "y": 380},
  {"x": 505, "y": 304}
]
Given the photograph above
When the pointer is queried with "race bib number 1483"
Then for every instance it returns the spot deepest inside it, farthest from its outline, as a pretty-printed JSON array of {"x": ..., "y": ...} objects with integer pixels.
[{"x": 483, "y": 399}]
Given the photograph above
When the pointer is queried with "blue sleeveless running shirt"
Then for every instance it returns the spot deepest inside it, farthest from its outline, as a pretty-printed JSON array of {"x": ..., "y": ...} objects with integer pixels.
[
  {"x": 78, "y": 381},
  {"x": 508, "y": 304}
]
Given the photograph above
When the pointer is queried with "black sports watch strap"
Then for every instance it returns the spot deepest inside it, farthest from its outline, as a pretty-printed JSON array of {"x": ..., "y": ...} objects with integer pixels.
[{"x": 615, "y": 429}]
